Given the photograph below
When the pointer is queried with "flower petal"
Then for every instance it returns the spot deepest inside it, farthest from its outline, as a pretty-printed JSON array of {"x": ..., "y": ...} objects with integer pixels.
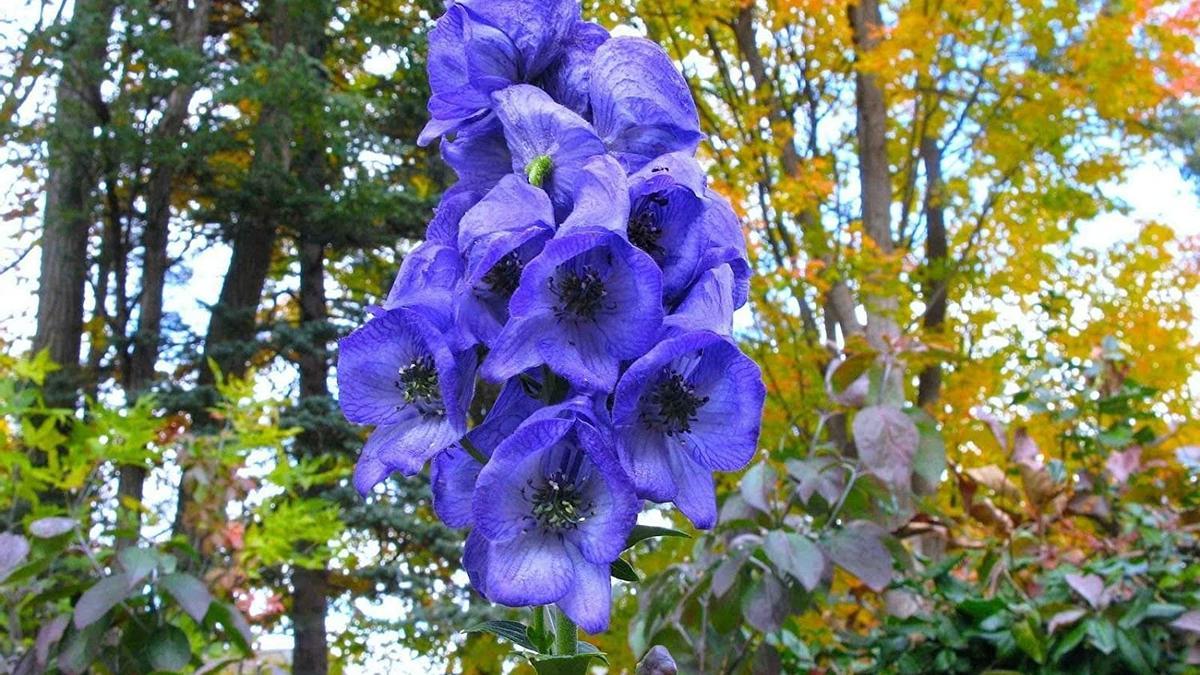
[
  {"x": 536, "y": 126},
  {"x": 567, "y": 81},
  {"x": 601, "y": 198},
  {"x": 644, "y": 456},
  {"x": 452, "y": 481},
  {"x": 401, "y": 447},
  {"x": 588, "y": 601},
  {"x": 696, "y": 497},
  {"x": 641, "y": 105},
  {"x": 532, "y": 569}
]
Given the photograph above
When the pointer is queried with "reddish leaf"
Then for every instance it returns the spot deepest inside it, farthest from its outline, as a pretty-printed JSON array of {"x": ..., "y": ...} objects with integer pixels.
[
  {"x": 1089, "y": 586},
  {"x": 1121, "y": 465},
  {"x": 887, "y": 442},
  {"x": 858, "y": 548},
  {"x": 1025, "y": 450},
  {"x": 13, "y": 550},
  {"x": 794, "y": 554},
  {"x": 46, "y": 528},
  {"x": 1189, "y": 621}
]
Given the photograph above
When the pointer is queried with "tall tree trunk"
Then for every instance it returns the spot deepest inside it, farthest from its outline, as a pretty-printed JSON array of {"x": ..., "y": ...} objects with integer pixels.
[
  {"x": 874, "y": 175},
  {"x": 935, "y": 288},
  {"x": 71, "y": 152},
  {"x": 230, "y": 340},
  {"x": 191, "y": 25},
  {"x": 310, "y": 589}
]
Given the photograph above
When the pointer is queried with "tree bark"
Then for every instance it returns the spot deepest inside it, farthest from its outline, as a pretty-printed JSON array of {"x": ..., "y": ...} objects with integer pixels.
[
  {"x": 67, "y": 217},
  {"x": 874, "y": 174},
  {"x": 309, "y": 586},
  {"x": 930, "y": 380},
  {"x": 191, "y": 25},
  {"x": 229, "y": 342}
]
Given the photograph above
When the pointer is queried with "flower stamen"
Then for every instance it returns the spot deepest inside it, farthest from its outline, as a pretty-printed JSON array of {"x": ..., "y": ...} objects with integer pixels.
[
  {"x": 419, "y": 383},
  {"x": 672, "y": 404}
]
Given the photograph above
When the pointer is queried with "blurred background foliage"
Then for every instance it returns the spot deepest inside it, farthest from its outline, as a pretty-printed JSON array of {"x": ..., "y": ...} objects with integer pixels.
[{"x": 980, "y": 449}]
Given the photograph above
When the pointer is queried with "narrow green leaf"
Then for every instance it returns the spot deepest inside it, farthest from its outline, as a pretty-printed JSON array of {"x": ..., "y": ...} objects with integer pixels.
[
  {"x": 1025, "y": 634},
  {"x": 1131, "y": 654},
  {"x": 1102, "y": 634},
  {"x": 235, "y": 626},
  {"x": 514, "y": 632},
  {"x": 621, "y": 569},
  {"x": 642, "y": 532}
]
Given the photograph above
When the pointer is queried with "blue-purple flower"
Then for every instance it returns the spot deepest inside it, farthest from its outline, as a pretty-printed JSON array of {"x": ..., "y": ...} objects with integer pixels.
[
  {"x": 453, "y": 473},
  {"x": 690, "y": 406},
  {"x": 588, "y": 302},
  {"x": 552, "y": 510},
  {"x": 481, "y": 46},
  {"x": 641, "y": 105},
  {"x": 568, "y": 80},
  {"x": 583, "y": 257},
  {"x": 399, "y": 373},
  {"x": 497, "y": 238},
  {"x": 665, "y": 218}
]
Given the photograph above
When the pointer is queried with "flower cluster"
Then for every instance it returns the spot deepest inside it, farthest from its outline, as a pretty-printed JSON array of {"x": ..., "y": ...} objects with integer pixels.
[{"x": 581, "y": 263}]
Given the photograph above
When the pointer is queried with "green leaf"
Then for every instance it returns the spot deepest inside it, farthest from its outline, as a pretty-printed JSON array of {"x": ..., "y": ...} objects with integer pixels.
[
  {"x": 80, "y": 648},
  {"x": 1026, "y": 636},
  {"x": 1131, "y": 654},
  {"x": 1102, "y": 635},
  {"x": 643, "y": 532},
  {"x": 1070, "y": 641},
  {"x": 234, "y": 625},
  {"x": 99, "y": 599},
  {"x": 515, "y": 632},
  {"x": 758, "y": 485},
  {"x": 137, "y": 563},
  {"x": 189, "y": 592},
  {"x": 574, "y": 664},
  {"x": 930, "y": 461},
  {"x": 621, "y": 569},
  {"x": 169, "y": 649}
]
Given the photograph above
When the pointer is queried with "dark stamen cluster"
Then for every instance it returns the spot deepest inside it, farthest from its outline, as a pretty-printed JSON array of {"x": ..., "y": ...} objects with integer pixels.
[
  {"x": 580, "y": 295},
  {"x": 672, "y": 404},
  {"x": 419, "y": 383},
  {"x": 558, "y": 504},
  {"x": 645, "y": 228},
  {"x": 505, "y": 274}
]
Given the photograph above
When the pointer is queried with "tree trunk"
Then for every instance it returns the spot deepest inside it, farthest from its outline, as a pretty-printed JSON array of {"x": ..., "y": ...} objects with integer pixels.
[
  {"x": 191, "y": 25},
  {"x": 874, "y": 174},
  {"x": 71, "y": 153},
  {"x": 309, "y": 586},
  {"x": 230, "y": 340},
  {"x": 930, "y": 382}
]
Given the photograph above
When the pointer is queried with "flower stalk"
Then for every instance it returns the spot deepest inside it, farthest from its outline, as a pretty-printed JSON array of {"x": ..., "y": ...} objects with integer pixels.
[{"x": 566, "y": 634}]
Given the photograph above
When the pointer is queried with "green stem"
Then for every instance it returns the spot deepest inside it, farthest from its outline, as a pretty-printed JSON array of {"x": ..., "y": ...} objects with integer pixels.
[
  {"x": 473, "y": 451},
  {"x": 539, "y": 623},
  {"x": 566, "y": 635}
]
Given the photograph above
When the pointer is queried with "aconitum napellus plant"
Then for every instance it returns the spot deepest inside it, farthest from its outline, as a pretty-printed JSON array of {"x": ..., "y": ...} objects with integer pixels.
[{"x": 583, "y": 265}]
